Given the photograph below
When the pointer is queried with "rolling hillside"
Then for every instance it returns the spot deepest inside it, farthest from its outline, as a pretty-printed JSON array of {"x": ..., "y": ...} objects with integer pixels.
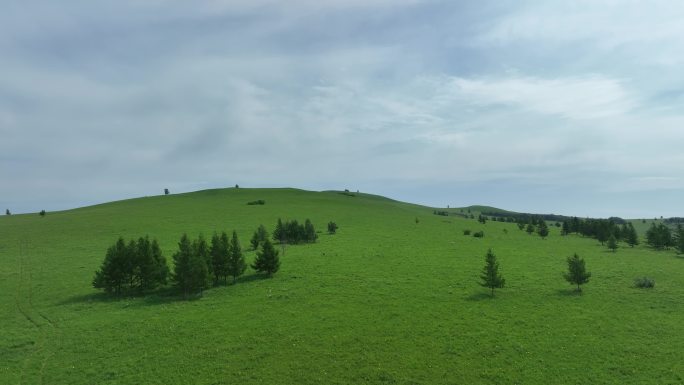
[{"x": 392, "y": 298}]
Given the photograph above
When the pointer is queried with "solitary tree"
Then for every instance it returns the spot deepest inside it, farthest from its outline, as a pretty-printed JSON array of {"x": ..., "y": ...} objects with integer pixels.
[
  {"x": 219, "y": 256},
  {"x": 166, "y": 191},
  {"x": 332, "y": 227},
  {"x": 612, "y": 243},
  {"x": 236, "y": 260},
  {"x": 267, "y": 260},
  {"x": 42, "y": 213},
  {"x": 491, "y": 277},
  {"x": 577, "y": 274},
  {"x": 7, "y": 212}
]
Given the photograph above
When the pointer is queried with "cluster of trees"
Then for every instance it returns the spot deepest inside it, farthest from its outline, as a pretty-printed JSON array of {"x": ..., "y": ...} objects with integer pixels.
[
  {"x": 332, "y": 227},
  {"x": 259, "y": 237},
  {"x": 534, "y": 225},
  {"x": 491, "y": 277},
  {"x": 136, "y": 265},
  {"x": 196, "y": 262},
  {"x": 660, "y": 236},
  {"x": 292, "y": 232},
  {"x": 603, "y": 230},
  {"x": 139, "y": 265}
]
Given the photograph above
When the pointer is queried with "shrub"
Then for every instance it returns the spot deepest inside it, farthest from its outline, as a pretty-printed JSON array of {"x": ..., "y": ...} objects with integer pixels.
[
  {"x": 644, "y": 283},
  {"x": 257, "y": 202},
  {"x": 466, "y": 232},
  {"x": 479, "y": 234},
  {"x": 332, "y": 227},
  {"x": 42, "y": 213}
]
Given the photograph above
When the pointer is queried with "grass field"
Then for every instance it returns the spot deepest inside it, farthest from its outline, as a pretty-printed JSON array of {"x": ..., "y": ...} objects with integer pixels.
[{"x": 386, "y": 300}]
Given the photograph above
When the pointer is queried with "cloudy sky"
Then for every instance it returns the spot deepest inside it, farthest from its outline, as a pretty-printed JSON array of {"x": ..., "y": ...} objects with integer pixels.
[{"x": 537, "y": 106}]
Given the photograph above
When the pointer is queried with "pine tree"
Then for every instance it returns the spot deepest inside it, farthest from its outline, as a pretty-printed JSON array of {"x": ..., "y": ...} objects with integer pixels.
[
  {"x": 236, "y": 260},
  {"x": 309, "y": 232},
  {"x": 612, "y": 243},
  {"x": 267, "y": 260},
  {"x": 543, "y": 229},
  {"x": 659, "y": 237},
  {"x": 190, "y": 267},
  {"x": 490, "y": 273},
  {"x": 260, "y": 235},
  {"x": 565, "y": 229},
  {"x": 279, "y": 232},
  {"x": 201, "y": 249},
  {"x": 631, "y": 236},
  {"x": 161, "y": 270},
  {"x": 150, "y": 265},
  {"x": 530, "y": 228},
  {"x": 7, "y": 212},
  {"x": 679, "y": 238},
  {"x": 112, "y": 274},
  {"x": 577, "y": 274},
  {"x": 219, "y": 256}
]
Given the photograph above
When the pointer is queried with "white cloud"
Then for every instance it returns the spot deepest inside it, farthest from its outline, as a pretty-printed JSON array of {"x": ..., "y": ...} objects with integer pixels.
[
  {"x": 585, "y": 97},
  {"x": 650, "y": 29}
]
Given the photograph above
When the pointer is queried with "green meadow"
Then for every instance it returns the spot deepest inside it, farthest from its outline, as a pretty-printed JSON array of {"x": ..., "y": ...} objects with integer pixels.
[{"x": 392, "y": 298}]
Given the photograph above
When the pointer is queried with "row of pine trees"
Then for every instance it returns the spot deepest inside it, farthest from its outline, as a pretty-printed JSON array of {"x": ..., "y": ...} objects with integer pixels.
[{"x": 139, "y": 265}]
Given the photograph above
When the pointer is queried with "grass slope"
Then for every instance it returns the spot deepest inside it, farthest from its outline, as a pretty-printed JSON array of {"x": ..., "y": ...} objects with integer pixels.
[{"x": 386, "y": 300}]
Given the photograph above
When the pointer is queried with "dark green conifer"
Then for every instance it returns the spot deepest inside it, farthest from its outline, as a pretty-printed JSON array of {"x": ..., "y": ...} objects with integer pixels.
[
  {"x": 267, "y": 260},
  {"x": 236, "y": 260},
  {"x": 491, "y": 277}
]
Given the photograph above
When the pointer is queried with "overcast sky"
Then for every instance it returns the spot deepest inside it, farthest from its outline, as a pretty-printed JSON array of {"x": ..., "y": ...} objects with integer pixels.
[{"x": 538, "y": 106}]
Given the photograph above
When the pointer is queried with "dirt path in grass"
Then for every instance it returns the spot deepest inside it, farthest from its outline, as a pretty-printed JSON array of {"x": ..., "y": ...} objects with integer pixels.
[{"x": 47, "y": 330}]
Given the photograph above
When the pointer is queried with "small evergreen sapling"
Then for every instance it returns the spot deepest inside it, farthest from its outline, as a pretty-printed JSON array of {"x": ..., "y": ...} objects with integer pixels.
[
  {"x": 577, "y": 273},
  {"x": 491, "y": 277}
]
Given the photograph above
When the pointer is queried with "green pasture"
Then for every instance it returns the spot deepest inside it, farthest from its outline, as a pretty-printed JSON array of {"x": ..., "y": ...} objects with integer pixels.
[{"x": 392, "y": 298}]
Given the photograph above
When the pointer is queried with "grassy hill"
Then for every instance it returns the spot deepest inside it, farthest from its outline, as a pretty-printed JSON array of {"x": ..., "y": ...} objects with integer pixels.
[{"x": 386, "y": 300}]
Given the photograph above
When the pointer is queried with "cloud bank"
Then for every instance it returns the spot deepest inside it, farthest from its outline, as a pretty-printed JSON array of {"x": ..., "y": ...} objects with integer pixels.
[{"x": 510, "y": 103}]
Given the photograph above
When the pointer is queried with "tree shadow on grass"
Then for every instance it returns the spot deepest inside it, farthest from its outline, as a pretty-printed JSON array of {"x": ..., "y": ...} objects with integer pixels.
[
  {"x": 251, "y": 278},
  {"x": 476, "y": 297},
  {"x": 568, "y": 292},
  {"x": 92, "y": 297},
  {"x": 159, "y": 296}
]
